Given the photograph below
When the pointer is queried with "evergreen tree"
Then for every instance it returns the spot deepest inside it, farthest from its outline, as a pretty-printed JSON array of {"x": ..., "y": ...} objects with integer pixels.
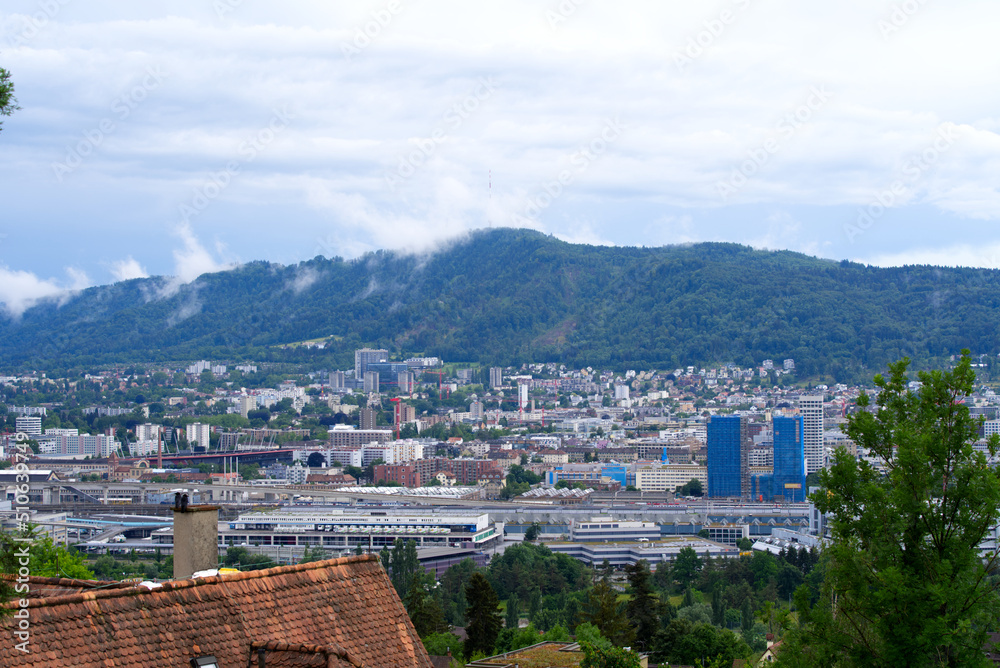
[
  {"x": 424, "y": 610},
  {"x": 642, "y": 609},
  {"x": 403, "y": 565},
  {"x": 482, "y": 617},
  {"x": 718, "y": 608},
  {"x": 513, "y": 611},
  {"x": 604, "y": 612},
  {"x": 746, "y": 615}
]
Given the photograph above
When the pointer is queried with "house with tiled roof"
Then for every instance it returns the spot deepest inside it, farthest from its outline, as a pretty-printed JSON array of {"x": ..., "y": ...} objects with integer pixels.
[{"x": 338, "y": 613}]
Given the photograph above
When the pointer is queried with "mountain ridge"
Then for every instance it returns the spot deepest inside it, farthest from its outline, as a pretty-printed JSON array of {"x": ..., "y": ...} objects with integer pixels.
[{"x": 501, "y": 296}]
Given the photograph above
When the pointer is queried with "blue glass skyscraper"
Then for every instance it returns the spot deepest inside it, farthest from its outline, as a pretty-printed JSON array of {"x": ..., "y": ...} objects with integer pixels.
[
  {"x": 789, "y": 458},
  {"x": 728, "y": 473}
]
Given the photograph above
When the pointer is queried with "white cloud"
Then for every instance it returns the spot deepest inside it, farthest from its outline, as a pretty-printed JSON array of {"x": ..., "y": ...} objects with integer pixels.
[
  {"x": 127, "y": 269},
  {"x": 192, "y": 260},
  {"x": 324, "y": 176},
  {"x": 958, "y": 255},
  {"x": 20, "y": 290},
  {"x": 304, "y": 279}
]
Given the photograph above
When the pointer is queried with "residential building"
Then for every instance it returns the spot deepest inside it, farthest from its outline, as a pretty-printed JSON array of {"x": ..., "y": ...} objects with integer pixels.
[
  {"x": 346, "y": 436},
  {"x": 247, "y": 404},
  {"x": 811, "y": 411},
  {"x": 148, "y": 432},
  {"x": 228, "y": 440},
  {"x": 344, "y": 457},
  {"x": 404, "y": 474},
  {"x": 371, "y": 381},
  {"x": 30, "y": 425},
  {"x": 407, "y": 413},
  {"x": 554, "y": 457},
  {"x": 95, "y": 445},
  {"x": 496, "y": 377},
  {"x": 368, "y": 418},
  {"x": 199, "y": 434}
]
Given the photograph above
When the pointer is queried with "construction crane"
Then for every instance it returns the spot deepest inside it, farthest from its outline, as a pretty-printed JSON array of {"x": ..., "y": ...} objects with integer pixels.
[{"x": 440, "y": 375}]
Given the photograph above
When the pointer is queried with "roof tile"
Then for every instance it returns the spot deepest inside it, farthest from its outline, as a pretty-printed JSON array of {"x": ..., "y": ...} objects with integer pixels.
[{"x": 341, "y": 612}]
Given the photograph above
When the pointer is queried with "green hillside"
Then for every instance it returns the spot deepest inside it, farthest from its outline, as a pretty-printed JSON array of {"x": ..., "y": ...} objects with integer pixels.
[{"x": 503, "y": 296}]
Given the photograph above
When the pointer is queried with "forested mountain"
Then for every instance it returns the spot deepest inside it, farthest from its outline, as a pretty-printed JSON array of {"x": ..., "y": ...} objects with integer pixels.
[{"x": 502, "y": 296}]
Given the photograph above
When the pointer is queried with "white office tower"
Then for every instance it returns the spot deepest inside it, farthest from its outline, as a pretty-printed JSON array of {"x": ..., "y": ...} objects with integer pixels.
[
  {"x": 811, "y": 410},
  {"x": 522, "y": 395}
]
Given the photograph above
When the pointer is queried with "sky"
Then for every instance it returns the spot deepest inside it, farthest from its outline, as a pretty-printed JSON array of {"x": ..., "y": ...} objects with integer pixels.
[{"x": 182, "y": 137}]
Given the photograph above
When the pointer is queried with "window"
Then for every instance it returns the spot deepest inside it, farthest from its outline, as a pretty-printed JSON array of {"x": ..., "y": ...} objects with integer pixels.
[{"x": 205, "y": 662}]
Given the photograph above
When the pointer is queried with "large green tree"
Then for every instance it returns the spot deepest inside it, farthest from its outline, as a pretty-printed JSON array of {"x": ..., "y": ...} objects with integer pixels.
[
  {"x": 482, "y": 618},
  {"x": 643, "y": 607},
  {"x": 906, "y": 582}
]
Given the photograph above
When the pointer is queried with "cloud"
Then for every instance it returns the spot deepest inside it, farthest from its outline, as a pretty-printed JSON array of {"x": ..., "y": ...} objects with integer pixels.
[
  {"x": 393, "y": 107},
  {"x": 190, "y": 262},
  {"x": 127, "y": 269},
  {"x": 20, "y": 290},
  {"x": 304, "y": 279},
  {"x": 958, "y": 255}
]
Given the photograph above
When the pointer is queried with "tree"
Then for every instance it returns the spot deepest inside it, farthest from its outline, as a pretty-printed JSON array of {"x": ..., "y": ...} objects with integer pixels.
[
  {"x": 595, "y": 656},
  {"x": 532, "y": 532},
  {"x": 482, "y": 618},
  {"x": 603, "y": 611},
  {"x": 402, "y": 564},
  {"x": 643, "y": 606},
  {"x": 425, "y": 612},
  {"x": 905, "y": 583},
  {"x": 8, "y": 103},
  {"x": 513, "y": 611},
  {"x": 686, "y": 566}
]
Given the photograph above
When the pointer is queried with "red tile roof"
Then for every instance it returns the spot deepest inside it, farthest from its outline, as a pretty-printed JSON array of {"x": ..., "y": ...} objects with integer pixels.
[
  {"x": 51, "y": 587},
  {"x": 342, "y": 612}
]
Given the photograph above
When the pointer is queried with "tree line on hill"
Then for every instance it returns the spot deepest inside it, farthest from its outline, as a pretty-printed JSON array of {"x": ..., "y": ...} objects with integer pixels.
[{"x": 504, "y": 296}]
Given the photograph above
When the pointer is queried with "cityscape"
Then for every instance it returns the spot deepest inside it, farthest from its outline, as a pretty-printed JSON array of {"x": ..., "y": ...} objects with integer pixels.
[
  {"x": 615, "y": 470},
  {"x": 529, "y": 334}
]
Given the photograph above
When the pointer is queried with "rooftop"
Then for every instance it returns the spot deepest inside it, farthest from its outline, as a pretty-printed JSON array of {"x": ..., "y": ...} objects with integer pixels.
[{"x": 341, "y": 612}]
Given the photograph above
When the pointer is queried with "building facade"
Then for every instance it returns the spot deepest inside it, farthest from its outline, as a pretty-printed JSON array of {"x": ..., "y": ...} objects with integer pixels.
[
  {"x": 366, "y": 356},
  {"x": 728, "y": 456},
  {"x": 199, "y": 434},
  {"x": 789, "y": 478},
  {"x": 811, "y": 411}
]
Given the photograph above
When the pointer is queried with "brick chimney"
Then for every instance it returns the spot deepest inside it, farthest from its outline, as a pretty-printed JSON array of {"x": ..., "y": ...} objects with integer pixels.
[{"x": 196, "y": 539}]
